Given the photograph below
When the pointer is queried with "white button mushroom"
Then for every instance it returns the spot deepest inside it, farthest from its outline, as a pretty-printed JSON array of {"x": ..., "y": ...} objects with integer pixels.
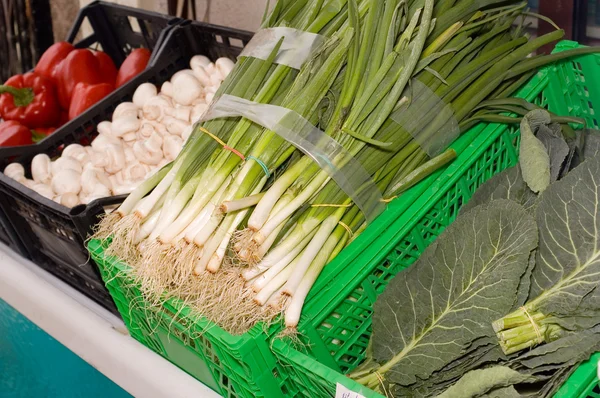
[
  {"x": 209, "y": 97},
  {"x": 126, "y": 109},
  {"x": 90, "y": 178},
  {"x": 155, "y": 108},
  {"x": 66, "y": 180},
  {"x": 186, "y": 88},
  {"x": 188, "y": 72},
  {"x": 143, "y": 93},
  {"x": 43, "y": 190},
  {"x": 129, "y": 155},
  {"x": 135, "y": 172},
  {"x": 199, "y": 60},
  {"x": 28, "y": 183},
  {"x": 129, "y": 138},
  {"x": 150, "y": 150},
  {"x": 125, "y": 125},
  {"x": 187, "y": 132},
  {"x": 102, "y": 141},
  {"x": 68, "y": 199},
  {"x": 41, "y": 168},
  {"x": 112, "y": 158},
  {"x": 210, "y": 68},
  {"x": 100, "y": 192},
  {"x": 202, "y": 76},
  {"x": 180, "y": 112},
  {"x": 197, "y": 112},
  {"x": 172, "y": 146},
  {"x": 215, "y": 80},
  {"x": 175, "y": 126},
  {"x": 66, "y": 163},
  {"x": 16, "y": 171},
  {"x": 104, "y": 128},
  {"x": 224, "y": 66},
  {"x": 77, "y": 152},
  {"x": 167, "y": 89}
]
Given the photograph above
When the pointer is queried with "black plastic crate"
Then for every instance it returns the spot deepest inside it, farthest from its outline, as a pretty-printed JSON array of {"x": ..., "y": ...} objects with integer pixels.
[
  {"x": 54, "y": 235},
  {"x": 36, "y": 227}
]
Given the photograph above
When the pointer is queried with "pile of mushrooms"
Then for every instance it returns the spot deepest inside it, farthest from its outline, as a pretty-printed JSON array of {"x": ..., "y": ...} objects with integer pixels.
[{"x": 144, "y": 135}]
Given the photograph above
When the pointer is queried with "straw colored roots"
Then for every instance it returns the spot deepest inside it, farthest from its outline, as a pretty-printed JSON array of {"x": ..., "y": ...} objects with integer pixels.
[
  {"x": 106, "y": 226},
  {"x": 247, "y": 251}
]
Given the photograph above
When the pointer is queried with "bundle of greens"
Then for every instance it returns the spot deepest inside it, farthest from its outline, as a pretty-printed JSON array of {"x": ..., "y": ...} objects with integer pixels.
[
  {"x": 511, "y": 251},
  {"x": 242, "y": 223}
]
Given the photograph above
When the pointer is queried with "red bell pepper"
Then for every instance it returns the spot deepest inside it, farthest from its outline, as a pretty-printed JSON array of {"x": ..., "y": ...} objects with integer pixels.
[
  {"x": 86, "y": 95},
  {"x": 80, "y": 66},
  {"x": 31, "y": 100},
  {"x": 50, "y": 61},
  {"x": 13, "y": 133},
  {"x": 134, "y": 64},
  {"x": 39, "y": 133},
  {"x": 108, "y": 70},
  {"x": 64, "y": 117}
]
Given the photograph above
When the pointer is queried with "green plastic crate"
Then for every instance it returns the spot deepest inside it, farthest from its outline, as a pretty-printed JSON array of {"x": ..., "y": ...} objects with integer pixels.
[{"x": 336, "y": 321}]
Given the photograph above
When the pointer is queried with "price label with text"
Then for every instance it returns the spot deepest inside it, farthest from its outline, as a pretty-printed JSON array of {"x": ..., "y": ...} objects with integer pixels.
[{"x": 342, "y": 392}]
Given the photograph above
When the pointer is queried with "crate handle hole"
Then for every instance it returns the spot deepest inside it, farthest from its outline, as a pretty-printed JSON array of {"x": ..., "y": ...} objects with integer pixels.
[
  {"x": 236, "y": 42},
  {"x": 219, "y": 39},
  {"x": 134, "y": 24}
]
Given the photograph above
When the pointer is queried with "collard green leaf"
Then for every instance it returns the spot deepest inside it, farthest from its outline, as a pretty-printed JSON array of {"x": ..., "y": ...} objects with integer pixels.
[
  {"x": 525, "y": 285},
  {"x": 576, "y": 141},
  {"x": 482, "y": 381},
  {"x": 440, "y": 380},
  {"x": 506, "y": 185},
  {"x": 591, "y": 147},
  {"x": 556, "y": 146},
  {"x": 571, "y": 349},
  {"x": 429, "y": 313},
  {"x": 504, "y": 392},
  {"x": 567, "y": 271},
  {"x": 533, "y": 157}
]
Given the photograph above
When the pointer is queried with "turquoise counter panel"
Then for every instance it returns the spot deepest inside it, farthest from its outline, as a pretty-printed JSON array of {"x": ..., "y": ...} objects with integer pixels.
[{"x": 33, "y": 364}]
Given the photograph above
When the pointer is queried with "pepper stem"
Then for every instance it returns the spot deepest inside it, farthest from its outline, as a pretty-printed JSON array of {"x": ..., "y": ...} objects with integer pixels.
[{"x": 21, "y": 96}]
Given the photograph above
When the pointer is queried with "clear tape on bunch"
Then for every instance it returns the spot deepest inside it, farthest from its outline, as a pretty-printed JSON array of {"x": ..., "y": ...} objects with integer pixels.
[
  {"x": 331, "y": 157},
  {"x": 427, "y": 118},
  {"x": 297, "y": 47}
]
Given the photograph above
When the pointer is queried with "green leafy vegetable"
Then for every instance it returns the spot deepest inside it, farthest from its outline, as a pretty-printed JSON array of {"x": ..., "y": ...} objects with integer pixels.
[
  {"x": 482, "y": 381},
  {"x": 556, "y": 146},
  {"x": 592, "y": 143},
  {"x": 506, "y": 185},
  {"x": 428, "y": 337},
  {"x": 564, "y": 294},
  {"x": 533, "y": 158},
  {"x": 503, "y": 392},
  {"x": 431, "y": 313}
]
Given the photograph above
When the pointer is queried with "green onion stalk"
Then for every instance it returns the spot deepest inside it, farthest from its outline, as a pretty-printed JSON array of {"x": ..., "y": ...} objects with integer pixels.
[
  {"x": 458, "y": 66},
  {"x": 242, "y": 245}
]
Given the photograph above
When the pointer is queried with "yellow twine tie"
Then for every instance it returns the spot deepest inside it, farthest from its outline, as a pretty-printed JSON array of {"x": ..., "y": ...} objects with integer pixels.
[
  {"x": 535, "y": 326},
  {"x": 380, "y": 378},
  {"x": 222, "y": 143},
  {"x": 330, "y": 205},
  {"x": 347, "y": 228},
  {"x": 388, "y": 200}
]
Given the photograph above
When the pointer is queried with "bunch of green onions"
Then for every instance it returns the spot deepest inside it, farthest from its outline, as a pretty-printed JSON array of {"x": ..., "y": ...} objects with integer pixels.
[{"x": 242, "y": 245}]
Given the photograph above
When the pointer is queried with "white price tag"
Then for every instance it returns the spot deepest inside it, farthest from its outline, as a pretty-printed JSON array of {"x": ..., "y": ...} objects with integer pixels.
[{"x": 342, "y": 392}]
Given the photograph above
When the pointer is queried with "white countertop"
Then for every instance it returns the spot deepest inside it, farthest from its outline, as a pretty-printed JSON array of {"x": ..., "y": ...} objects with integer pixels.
[{"x": 91, "y": 332}]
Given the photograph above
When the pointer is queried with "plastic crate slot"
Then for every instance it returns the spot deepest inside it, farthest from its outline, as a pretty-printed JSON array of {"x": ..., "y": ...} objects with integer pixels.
[{"x": 134, "y": 24}]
